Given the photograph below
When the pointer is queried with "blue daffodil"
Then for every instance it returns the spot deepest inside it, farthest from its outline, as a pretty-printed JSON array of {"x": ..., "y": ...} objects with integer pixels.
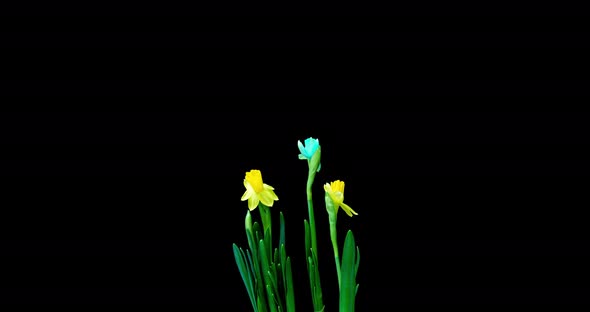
[
  {"x": 310, "y": 147},
  {"x": 311, "y": 151}
]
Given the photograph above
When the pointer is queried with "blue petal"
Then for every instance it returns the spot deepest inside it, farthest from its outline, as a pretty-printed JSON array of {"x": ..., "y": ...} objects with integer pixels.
[
  {"x": 311, "y": 146},
  {"x": 301, "y": 148}
]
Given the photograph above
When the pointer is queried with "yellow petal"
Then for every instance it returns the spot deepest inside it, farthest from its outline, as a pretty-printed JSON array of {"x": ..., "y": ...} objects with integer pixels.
[
  {"x": 247, "y": 194},
  {"x": 337, "y": 186},
  {"x": 248, "y": 185},
  {"x": 327, "y": 188},
  {"x": 253, "y": 202},
  {"x": 270, "y": 189},
  {"x": 266, "y": 197},
  {"x": 254, "y": 178},
  {"x": 348, "y": 210},
  {"x": 336, "y": 199}
]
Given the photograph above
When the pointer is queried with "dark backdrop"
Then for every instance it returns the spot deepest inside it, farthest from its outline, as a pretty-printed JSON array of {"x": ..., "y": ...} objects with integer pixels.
[
  {"x": 122, "y": 184},
  {"x": 143, "y": 207}
]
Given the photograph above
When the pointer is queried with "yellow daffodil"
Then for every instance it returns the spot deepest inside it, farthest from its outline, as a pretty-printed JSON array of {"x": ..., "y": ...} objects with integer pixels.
[
  {"x": 257, "y": 191},
  {"x": 336, "y": 192}
]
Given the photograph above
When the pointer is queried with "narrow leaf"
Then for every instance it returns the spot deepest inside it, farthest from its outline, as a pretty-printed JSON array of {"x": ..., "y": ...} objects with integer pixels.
[
  {"x": 290, "y": 293},
  {"x": 245, "y": 273},
  {"x": 282, "y": 230},
  {"x": 347, "y": 289},
  {"x": 307, "y": 239},
  {"x": 272, "y": 302}
]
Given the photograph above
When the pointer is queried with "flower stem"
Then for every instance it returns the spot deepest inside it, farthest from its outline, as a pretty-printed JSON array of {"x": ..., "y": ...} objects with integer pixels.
[
  {"x": 314, "y": 244},
  {"x": 333, "y": 236},
  {"x": 313, "y": 270},
  {"x": 265, "y": 217}
]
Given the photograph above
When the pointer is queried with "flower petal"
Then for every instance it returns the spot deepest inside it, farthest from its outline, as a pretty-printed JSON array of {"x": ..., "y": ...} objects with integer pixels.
[
  {"x": 247, "y": 185},
  {"x": 254, "y": 179},
  {"x": 335, "y": 198},
  {"x": 270, "y": 189},
  {"x": 253, "y": 202},
  {"x": 247, "y": 194},
  {"x": 311, "y": 146},
  {"x": 348, "y": 210},
  {"x": 301, "y": 149},
  {"x": 266, "y": 197}
]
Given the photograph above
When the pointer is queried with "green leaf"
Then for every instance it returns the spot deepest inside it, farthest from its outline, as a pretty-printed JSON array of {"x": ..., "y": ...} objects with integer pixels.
[
  {"x": 262, "y": 306},
  {"x": 245, "y": 273},
  {"x": 259, "y": 285},
  {"x": 253, "y": 266},
  {"x": 252, "y": 244},
  {"x": 271, "y": 299},
  {"x": 348, "y": 287},
  {"x": 307, "y": 239},
  {"x": 317, "y": 272},
  {"x": 257, "y": 231},
  {"x": 274, "y": 288},
  {"x": 250, "y": 236},
  {"x": 268, "y": 244},
  {"x": 265, "y": 266},
  {"x": 263, "y": 256},
  {"x": 290, "y": 292},
  {"x": 310, "y": 270},
  {"x": 358, "y": 261},
  {"x": 282, "y": 230},
  {"x": 284, "y": 268},
  {"x": 278, "y": 271}
]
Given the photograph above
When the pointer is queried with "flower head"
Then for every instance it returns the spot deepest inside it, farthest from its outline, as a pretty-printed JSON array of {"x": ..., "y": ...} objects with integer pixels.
[
  {"x": 312, "y": 152},
  {"x": 310, "y": 147},
  {"x": 257, "y": 191},
  {"x": 336, "y": 192}
]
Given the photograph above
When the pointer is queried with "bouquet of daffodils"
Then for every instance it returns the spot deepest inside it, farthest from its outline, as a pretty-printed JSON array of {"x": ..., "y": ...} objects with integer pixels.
[{"x": 266, "y": 268}]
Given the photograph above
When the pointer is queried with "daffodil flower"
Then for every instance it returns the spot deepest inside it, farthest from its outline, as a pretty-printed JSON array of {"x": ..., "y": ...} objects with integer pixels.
[
  {"x": 336, "y": 192},
  {"x": 310, "y": 147},
  {"x": 257, "y": 192},
  {"x": 311, "y": 151},
  {"x": 335, "y": 199}
]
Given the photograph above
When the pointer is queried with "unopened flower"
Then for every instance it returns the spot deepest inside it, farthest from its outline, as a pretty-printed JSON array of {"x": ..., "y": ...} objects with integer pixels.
[{"x": 311, "y": 151}]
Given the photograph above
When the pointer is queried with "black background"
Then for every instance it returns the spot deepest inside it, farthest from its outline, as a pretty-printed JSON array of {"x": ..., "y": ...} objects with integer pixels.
[
  {"x": 143, "y": 207},
  {"x": 122, "y": 185}
]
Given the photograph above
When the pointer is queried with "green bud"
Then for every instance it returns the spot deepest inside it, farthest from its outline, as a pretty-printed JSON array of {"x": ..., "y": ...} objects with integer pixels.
[{"x": 248, "y": 221}]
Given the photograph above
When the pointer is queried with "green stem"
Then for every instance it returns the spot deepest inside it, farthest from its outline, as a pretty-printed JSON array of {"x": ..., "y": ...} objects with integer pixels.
[
  {"x": 314, "y": 244},
  {"x": 265, "y": 216},
  {"x": 316, "y": 285},
  {"x": 336, "y": 253}
]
